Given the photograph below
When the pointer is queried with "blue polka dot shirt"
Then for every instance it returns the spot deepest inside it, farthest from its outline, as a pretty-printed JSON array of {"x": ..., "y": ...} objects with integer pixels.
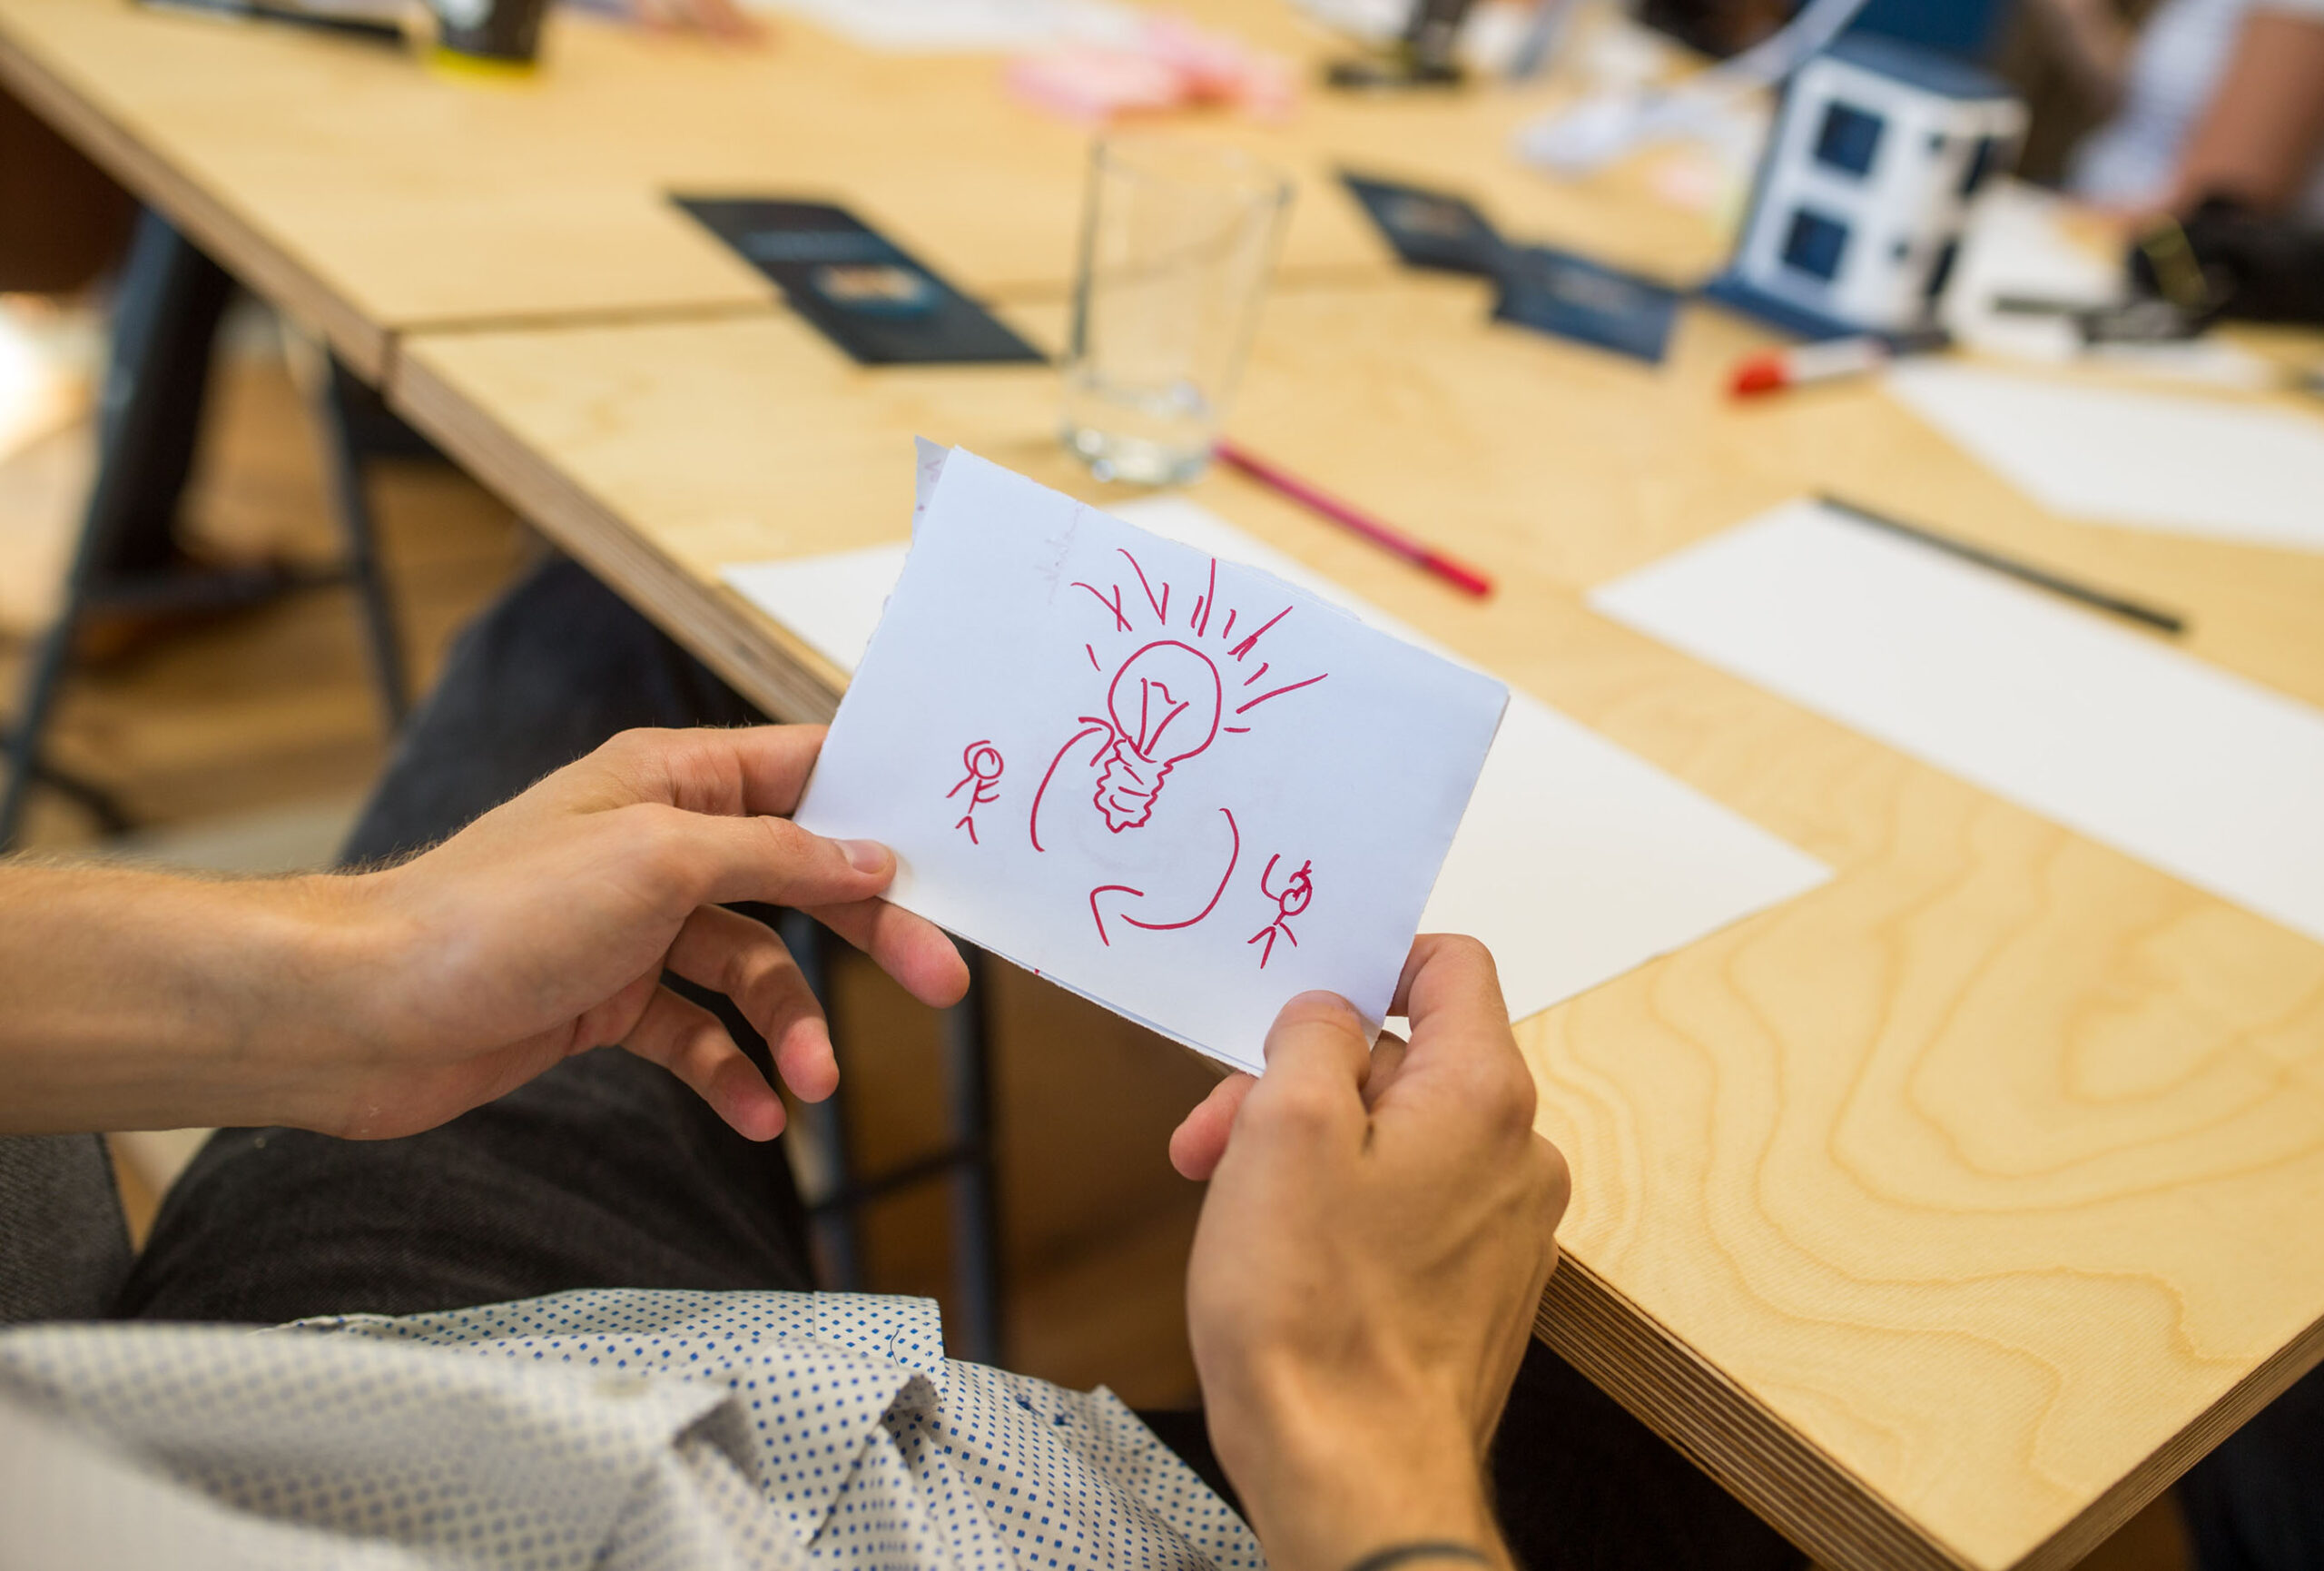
[{"x": 635, "y": 1431}]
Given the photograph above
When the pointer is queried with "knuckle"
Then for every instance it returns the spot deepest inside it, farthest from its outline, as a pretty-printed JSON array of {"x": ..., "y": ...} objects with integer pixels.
[
  {"x": 793, "y": 851},
  {"x": 628, "y": 749},
  {"x": 1500, "y": 1085},
  {"x": 1554, "y": 1176},
  {"x": 767, "y": 976},
  {"x": 1515, "y": 1094},
  {"x": 1293, "y": 1111},
  {"x": 659, "y": 843},
  {"x": 1321, "y": 1009},
  {"x": 669, "y": 836}
]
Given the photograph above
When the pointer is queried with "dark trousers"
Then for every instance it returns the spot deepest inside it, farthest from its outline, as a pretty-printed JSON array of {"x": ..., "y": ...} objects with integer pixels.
[{"x": 608, "y": 1173}]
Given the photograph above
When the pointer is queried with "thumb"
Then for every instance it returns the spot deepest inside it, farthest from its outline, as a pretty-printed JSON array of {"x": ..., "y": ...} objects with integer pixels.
[{"x": 1312, "y": 1095}]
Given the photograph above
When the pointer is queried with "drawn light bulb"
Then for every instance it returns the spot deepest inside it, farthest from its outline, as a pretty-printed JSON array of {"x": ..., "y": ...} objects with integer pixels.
[{"x": 1163, "y": 704}]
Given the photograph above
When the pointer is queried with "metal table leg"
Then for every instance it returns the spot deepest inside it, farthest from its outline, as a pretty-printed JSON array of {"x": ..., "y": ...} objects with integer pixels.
[
  {"x": 170, "y": 299},
  {"x": 348, "y": 413},
  {"x": 976, "y": 1210},
  {"x": 170, "y": 302}
]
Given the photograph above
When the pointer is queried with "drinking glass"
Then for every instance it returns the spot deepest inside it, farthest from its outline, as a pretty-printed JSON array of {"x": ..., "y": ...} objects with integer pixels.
[{"x": 1176, "y": 246}]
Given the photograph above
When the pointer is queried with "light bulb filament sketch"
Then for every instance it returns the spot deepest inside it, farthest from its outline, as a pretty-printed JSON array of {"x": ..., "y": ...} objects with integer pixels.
[
  {"x": 1163, "y": 710},
  {"x": 1167, "y": 700}
]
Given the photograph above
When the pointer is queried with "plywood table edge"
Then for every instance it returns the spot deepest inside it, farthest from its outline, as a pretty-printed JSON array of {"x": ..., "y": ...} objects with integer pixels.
[
  {"x": 1726, "y": 1432},
  {"x": 645, "y": 314},
  {"x": 2163, "y": 1467},
  {"x": 257, "y": 262},
  {"x": 1803, "y": 1493},
  {"x": 757, "y": 656}
]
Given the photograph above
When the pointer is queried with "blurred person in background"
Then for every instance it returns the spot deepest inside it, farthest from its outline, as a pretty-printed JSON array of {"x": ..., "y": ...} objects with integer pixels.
[{"x": 2209, "y": 98}]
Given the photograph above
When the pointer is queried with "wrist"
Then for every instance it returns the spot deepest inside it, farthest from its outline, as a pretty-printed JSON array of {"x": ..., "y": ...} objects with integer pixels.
[
  {"x": 1441, "y": 1552},
  {"x": 338, "y": 981},
  {"x": 1333, "y": 1489}
]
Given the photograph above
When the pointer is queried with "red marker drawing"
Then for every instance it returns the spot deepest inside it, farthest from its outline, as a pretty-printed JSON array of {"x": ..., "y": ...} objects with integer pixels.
[
  {"x": 982, "y": 783},
  {"x": 1297, "y": 890},
  {"x": 1168, "y": 700}
]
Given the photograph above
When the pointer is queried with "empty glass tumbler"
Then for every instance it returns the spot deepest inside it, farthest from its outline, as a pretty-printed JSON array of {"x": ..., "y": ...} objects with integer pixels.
[{"x": 1176, "y": 247}]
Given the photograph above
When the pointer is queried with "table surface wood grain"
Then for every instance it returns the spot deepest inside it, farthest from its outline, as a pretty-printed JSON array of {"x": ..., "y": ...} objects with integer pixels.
[
  {"x": 1946, "y": 1213},
  {"x": 373, "y": 195}
]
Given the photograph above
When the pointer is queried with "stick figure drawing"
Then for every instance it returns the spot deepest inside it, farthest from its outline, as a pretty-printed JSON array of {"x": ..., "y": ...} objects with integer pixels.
[
  {"x": 1297, "y": 890},
  {"x": 983, "y": 782}
]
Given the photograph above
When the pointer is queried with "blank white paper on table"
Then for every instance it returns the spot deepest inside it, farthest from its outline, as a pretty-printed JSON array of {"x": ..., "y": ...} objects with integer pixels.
[
  {"x": 1576, "y": 862},
  {"x": 1146, "y": 773},
  {"x": 2017, "y": 243},
  {"x": 2149, "y": 461},
  {"x": 2109, "y": 732}
]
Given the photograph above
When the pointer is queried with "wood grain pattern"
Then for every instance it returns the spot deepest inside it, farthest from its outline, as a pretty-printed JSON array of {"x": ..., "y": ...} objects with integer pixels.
[
  {"x": 1942, "y": 1213},
  {"x": 371, "y": 196},
  {"x": 210, "y": 218}
]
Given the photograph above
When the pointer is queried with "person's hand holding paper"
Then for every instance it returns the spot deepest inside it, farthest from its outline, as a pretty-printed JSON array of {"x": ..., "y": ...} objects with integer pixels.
[{"x": 1178, "y": 786}]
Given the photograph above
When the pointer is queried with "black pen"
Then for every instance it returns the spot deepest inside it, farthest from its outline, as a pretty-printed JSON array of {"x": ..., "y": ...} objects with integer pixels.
[
  {"x": 369, "y": 29},
  {"x": 2039, "y": 578}
]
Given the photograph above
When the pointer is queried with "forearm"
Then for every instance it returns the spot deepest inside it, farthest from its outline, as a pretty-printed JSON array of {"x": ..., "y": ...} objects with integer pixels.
[
  {"x": 2259, "y": 139},
  {"x": 137, "y": 1000}
]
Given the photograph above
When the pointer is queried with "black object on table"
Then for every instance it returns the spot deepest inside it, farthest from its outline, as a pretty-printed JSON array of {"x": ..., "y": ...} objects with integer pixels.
[
  {"x": 866, "y": 294},
  {"x": 2024, "y": 572}
]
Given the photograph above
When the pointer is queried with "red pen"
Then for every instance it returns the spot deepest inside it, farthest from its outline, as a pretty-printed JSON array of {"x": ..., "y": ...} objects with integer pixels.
[
  {"x": 1460, "y": 577},
  {"x": 1774, "y": 369}
]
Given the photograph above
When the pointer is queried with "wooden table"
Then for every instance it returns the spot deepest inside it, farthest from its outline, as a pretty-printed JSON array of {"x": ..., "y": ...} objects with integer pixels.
[
  {"x": 1946, "y": 1213},
  {"x": 369, "y": 196}
]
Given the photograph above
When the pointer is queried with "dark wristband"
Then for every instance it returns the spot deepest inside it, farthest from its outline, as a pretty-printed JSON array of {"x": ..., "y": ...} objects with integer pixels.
[{"x": 1405, "y": 1553}]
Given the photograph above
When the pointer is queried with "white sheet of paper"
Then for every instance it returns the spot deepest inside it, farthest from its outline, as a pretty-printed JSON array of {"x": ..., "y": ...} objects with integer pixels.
[
  {"x": 1576, "y": 860},
  {"x": 834, "y": 602},
  {"x": 2149, "y": 461},
  {"x": 1147, "y": 774},
  {"x": 2107, "y": 731},
  {"x": 963, "y": 26},
  {"x": 2017, "y": 243}
]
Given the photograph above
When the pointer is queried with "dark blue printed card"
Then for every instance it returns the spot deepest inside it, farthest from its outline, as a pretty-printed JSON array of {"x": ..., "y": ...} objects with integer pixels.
[
  {"x": 1556, "y": 292},
  {"x": 867, "y": 293},
  {"x": 1430, "y": 228}
]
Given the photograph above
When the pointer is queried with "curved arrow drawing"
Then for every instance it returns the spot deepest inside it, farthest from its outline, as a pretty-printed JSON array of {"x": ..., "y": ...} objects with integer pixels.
[{"x": 1098, "y": 915}]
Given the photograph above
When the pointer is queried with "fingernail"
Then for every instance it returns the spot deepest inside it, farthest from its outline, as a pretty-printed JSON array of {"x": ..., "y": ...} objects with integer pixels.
[{"x": 865, "y": 855}]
